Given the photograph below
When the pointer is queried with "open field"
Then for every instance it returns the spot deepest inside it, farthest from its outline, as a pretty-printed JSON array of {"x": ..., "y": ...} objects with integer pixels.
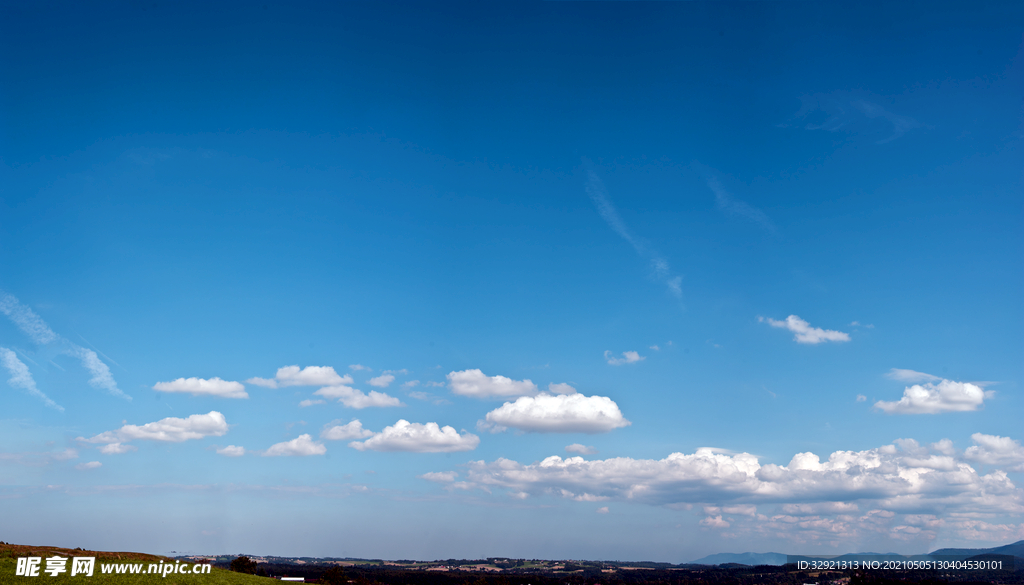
[{"x": 10, "y": 552}]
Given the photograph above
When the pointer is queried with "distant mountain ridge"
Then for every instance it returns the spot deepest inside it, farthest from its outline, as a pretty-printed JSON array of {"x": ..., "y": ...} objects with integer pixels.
[{"x": 1015, "y": 549}]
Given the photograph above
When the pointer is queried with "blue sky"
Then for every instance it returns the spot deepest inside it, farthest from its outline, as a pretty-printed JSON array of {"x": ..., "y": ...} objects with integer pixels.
[{"x": 580, "y": 280}]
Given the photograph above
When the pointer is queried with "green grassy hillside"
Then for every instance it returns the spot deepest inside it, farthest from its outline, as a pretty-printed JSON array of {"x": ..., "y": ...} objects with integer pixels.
[{"x": 10, "y": 552}]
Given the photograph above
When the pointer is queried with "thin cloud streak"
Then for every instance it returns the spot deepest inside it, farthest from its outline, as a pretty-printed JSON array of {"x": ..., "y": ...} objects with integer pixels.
[
  {"x": 729, "y": 204},
  {"x": 22, "y": 378},
  {"x": 599, "y": 195},
  {"x": 40, "y": 333}
]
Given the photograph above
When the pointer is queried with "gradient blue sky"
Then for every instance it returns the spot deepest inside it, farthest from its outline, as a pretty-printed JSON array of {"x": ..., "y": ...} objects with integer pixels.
[{"x": 773, "y": 249}]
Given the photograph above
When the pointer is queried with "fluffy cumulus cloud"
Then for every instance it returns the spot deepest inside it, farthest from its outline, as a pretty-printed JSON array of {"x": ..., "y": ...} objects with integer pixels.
[
  {"x": 169, "y": 430},
  {"x": 628, "y": 357},
  {"x": 804, "y": 332},
  {"x": 382, "y": 381},
  {"x": 338, "y": 432},
  {"x": 479, "y": 385},
  {"x": 934, "y": 398},
  {"x": 22, "y": 378},
  {"x": 300, "y": 446},
  {"x": 201, "y": 387},
  {"x": 996, "y": 450},
  {"x": 308, "y": 376},
  {"x": 231, "y": 451},
  {"x": 904, "y": 479},
  {"x": 558, "y": 413},
  {"x": 418, "y": 438},
  {"x": 353, "y": 398}
]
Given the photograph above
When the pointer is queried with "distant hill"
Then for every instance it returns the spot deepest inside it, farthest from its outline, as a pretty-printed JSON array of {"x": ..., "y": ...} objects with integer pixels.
[
  {"x": 1016, "y": 549},
  {"x": 747, "y": 558}
]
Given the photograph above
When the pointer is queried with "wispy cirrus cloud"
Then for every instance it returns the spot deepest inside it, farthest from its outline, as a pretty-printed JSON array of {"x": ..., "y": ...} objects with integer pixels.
[
  {"x": 33, "y": 326},
  {"x": 38, "y": 459},
  {"x": 659, "y": 265},
  {"x": 854, "y": 113},
  {"x": 729, "y": 204},
  {"x": 804, "y": 332},
  {"x": 22, "y": 378},
  {"x": 910, "y": 376}
]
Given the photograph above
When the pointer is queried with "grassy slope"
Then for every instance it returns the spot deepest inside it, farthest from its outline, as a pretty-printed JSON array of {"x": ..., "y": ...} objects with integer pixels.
[{"x": 10, "y": 552}]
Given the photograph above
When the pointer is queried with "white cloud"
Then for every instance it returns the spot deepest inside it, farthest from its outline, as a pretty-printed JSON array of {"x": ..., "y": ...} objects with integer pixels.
[
  {"x": 910, "y": 376},
  {"x": 308, "y": 376},
  {"x": 359, "y": 368},
  {"x": 40, "y": 333},
  {"x": 602, "y": 510},
  {"x": 311, "y": 402},
  {"x": 804, "y": 332},
  {"x": 946, "y": 396},
  {"x": 410, "y": 384},
  {"x": 560, "y": 413},
  {"x": 300, "y": 446},
  {"x": 171, "y": 429},
  {"x": 26, "y": 319},
  {"x": 101, "y": 379},
  {"x": 117, "y": 449},
  {"x": 861, "y": 398},
  {"x": 996, "y": 450},
  {"x": 475, "y": 383},
  {"x": 418, "y": 438},
  {"x": 353, "y": 398},
  {"x": 440, "y": 476},
  {"x": 22, "y": 378},
  {"x": 89, "y": 465},
  {"x": 903, "y": 478},
  {"x": 561, "y": 389},
  {"x": 231, "y": 451},
  {"x": 655, "y": 348},
  {"x": 345, "y": 432},
  {"x": 714, "y": 522},
  {"x": 382, "y": 381},
  {"x": 201, "y": 387},
  {"x": 580, "y": 449},
  {"x": 628, "y": 357}
]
